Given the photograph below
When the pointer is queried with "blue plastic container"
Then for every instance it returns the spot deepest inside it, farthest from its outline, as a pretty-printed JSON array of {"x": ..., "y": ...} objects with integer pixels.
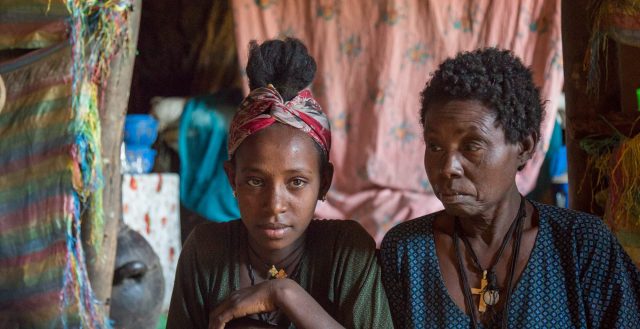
[
  {"x": 140, "y": 130},
  {"x": 140, "y": 159}
]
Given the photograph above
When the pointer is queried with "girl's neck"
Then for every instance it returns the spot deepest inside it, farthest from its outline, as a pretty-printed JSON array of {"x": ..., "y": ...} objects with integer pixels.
[{"x": 285, "y": 257}]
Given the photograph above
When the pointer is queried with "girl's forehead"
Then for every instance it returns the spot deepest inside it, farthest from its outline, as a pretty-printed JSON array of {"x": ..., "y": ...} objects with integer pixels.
[
  {"x": 278, "y": 136},
  {"x": 278, "y": 145}
]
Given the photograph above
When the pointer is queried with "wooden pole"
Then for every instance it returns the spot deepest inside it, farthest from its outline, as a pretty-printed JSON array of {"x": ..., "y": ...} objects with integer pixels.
[
  {"x": 116, "y": 97},
  {"x": 575, "y": 38},
  {"x": 588, "y": 115}
]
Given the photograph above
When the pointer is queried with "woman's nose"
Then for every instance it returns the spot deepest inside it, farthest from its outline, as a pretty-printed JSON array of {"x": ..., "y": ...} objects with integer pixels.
[{"x": 451, "y": 166}]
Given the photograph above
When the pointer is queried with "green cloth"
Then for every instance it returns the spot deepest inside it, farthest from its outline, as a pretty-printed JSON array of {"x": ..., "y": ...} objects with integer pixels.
[
  {"x": 339, "y": 270},
  {"x": 162, "y": 322}
]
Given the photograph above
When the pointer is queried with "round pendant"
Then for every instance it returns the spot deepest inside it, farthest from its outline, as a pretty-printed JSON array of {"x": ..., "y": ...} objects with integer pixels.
[{"x": 491, "y": 297}]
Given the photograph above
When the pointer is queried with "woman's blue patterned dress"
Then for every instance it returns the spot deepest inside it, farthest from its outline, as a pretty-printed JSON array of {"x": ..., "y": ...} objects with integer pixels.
[{"x": 578, "y": 276}]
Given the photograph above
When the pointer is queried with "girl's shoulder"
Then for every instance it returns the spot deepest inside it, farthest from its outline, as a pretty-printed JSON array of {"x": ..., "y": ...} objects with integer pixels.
[
  {"x": 211, "y": 239},
  {"x": 340, "y": 233}
]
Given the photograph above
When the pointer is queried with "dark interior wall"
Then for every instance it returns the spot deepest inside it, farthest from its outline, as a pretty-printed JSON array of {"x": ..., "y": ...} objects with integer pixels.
[
  {"x": 185, "y": 48},
  {"x": 180, "y": 41},
  {"x": 165, "y": 58},
  {"x": 590, "y": 115}
]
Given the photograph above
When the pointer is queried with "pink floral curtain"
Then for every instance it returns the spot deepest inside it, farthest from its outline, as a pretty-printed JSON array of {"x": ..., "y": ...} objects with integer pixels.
[{"x": 374, "y": 57}]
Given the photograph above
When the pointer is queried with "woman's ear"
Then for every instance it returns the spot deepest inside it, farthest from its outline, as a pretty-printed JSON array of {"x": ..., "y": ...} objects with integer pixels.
[
  {"x": 326, "y": 179},
  {"x": 230, "y": 170},
  {"x": 528, "y": 147}
]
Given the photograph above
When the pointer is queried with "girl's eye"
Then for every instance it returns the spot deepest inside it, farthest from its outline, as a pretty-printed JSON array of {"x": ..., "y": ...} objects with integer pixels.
[
  {"x": 297, "y": 182},
  {"x": 254, "y": 182}
]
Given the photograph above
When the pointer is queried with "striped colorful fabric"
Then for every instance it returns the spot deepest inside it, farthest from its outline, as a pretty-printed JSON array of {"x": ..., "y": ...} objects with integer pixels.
[
  {"x": 32, "y": 24},
  {"x": 44, "y": 184}
]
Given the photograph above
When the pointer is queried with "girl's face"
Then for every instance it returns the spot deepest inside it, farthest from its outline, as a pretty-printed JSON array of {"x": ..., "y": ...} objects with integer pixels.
[{"x": 277, "y": 176}]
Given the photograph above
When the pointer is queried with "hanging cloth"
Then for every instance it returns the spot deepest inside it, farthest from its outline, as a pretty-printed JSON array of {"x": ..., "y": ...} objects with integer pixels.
[{"x": 202, "y": 140}]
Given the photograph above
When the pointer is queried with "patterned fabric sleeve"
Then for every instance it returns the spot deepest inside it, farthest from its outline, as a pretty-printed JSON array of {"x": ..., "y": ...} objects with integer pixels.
[
  {"x": 392, "y": 278},
  {"x": 609, "y": 280}
]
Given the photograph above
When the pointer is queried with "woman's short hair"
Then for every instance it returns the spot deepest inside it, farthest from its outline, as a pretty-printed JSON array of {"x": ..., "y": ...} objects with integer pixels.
[{"x": 496, "y": 78}]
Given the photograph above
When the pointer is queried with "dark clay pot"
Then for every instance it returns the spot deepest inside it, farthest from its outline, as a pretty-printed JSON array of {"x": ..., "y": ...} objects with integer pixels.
[{"x": 138, "y": 283}]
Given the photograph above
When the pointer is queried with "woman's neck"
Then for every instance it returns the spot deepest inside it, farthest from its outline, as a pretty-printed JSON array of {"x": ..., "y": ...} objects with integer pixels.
[{"x": 491, "y": 226}]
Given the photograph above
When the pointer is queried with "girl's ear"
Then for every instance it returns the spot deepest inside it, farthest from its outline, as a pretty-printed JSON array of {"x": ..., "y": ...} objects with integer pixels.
[
  {"x": 230, "y": 170},
  {"x": 327, "y": 178}
]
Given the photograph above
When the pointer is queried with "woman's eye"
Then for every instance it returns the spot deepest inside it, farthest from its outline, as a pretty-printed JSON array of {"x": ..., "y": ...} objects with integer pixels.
[
  {"x": 433, "y": 147},
  {"x": 472, "y": 147},
  {"x": 254, "y": 182},
  {"x": 297, "y": 182}
]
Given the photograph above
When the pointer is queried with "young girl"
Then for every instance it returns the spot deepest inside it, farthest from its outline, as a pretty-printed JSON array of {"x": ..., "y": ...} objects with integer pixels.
[{"x": 276, "y": 266}]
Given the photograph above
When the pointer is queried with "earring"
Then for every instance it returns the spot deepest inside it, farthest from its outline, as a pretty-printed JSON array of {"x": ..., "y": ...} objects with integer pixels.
[{"x": 235, "y": 195}]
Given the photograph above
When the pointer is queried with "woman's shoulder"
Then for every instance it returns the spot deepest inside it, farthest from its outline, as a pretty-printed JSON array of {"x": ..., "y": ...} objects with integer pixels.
[
  {"x": 417, "y": 228},
  {"x": 576, "y": 230},
  {"x": 569, "y": 221}
]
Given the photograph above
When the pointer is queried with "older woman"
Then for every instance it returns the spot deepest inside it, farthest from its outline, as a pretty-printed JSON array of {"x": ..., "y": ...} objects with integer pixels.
[
  {"x": 275, "y": 266},
  {"x": 491, "y": 258}
]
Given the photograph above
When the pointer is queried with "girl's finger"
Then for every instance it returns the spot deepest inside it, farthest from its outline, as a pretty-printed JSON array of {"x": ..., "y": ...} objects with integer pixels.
[{"x": 216, "y": 321}]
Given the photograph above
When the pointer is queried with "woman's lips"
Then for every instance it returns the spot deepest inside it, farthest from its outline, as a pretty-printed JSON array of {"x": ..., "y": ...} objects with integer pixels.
[{"x": 452, "y": 197}]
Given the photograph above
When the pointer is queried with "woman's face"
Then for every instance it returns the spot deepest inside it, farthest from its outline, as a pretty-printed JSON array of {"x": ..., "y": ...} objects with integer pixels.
[
  {"x": 470, "y": 164},
  {"x": 277, "y": 178}
]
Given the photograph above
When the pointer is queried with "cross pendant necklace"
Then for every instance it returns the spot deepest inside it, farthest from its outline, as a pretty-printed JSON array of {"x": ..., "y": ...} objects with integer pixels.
[
  {"x": 275, "y": 274},
  {"x": 275, "y": 318},
  {"x": 482, "y": 305},
  {"x": 489, "y": 292}
]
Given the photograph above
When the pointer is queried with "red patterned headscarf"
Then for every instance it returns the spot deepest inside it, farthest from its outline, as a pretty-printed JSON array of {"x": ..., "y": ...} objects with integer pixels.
[{"x": 264, "y": 106}]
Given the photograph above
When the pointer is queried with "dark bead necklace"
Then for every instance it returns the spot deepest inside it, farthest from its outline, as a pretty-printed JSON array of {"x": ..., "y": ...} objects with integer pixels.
[{"x": 489, "y": 290}]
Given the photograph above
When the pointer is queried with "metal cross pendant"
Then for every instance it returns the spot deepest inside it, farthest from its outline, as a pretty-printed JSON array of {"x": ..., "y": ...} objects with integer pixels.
[
  {"x": 482, "y": 306},
  {"x": 277, "y": 274}
]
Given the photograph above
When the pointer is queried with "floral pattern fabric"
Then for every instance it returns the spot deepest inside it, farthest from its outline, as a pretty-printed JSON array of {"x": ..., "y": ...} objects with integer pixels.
[{"x": 374, "y": 58}]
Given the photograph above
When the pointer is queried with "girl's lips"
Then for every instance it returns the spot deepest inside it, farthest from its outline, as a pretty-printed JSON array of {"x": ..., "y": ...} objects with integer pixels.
[{"x": 275, "y": 232}]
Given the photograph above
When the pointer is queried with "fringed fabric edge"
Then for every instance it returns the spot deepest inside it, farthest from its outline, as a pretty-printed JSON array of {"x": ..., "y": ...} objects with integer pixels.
[
  {"x": 616, "y": 161},
  {"x": 605, "y": 12},
  {"x": 98, "y": 30}
]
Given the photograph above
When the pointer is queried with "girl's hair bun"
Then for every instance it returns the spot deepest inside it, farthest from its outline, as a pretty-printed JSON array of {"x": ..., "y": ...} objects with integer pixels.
[{"x": 286, "y": 64}]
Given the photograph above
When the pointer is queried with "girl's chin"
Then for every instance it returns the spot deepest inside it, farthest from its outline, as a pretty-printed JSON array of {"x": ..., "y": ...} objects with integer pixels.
[{"x": 273, "y": 244}]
